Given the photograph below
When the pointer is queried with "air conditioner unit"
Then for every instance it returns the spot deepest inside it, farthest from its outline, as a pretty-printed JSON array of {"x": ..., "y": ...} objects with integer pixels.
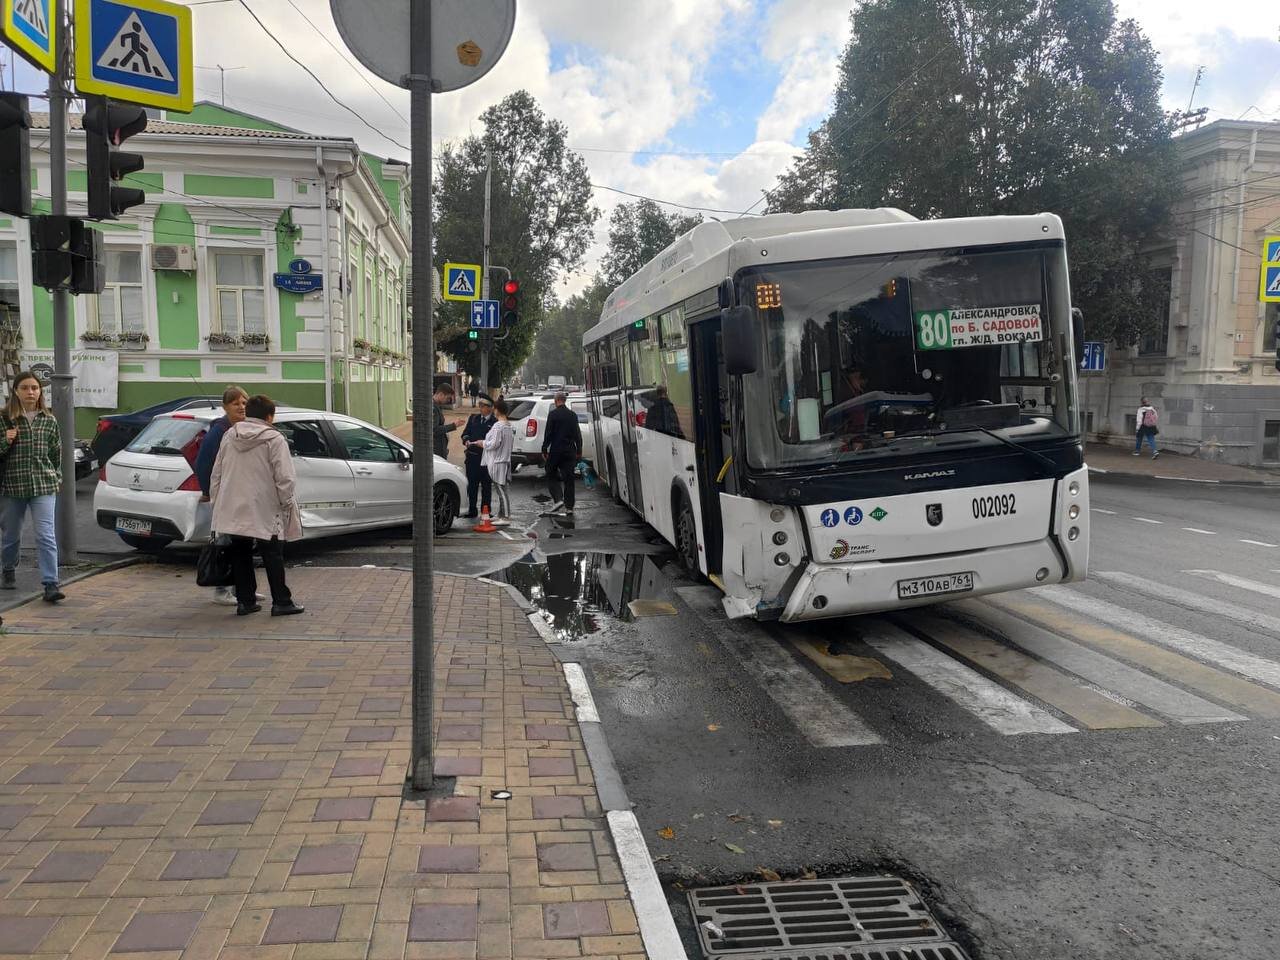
[{"x": 171, "y": 256}]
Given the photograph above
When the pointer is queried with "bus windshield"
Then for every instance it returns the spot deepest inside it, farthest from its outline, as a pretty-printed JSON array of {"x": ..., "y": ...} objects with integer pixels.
[{"x": 873, "y": 357}]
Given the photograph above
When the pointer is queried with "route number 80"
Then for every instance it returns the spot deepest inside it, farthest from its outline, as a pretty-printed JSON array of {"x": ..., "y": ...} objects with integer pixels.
[{"x": 935, "y": 330}]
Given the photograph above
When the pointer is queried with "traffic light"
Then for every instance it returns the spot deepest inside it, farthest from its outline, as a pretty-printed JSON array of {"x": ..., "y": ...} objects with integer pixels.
[
  {"x": 66, "y": 254},
  {"x": 107, "y": 125},
  {"x": 15, "y": 155},
  {"x": 510, "y": 303}
]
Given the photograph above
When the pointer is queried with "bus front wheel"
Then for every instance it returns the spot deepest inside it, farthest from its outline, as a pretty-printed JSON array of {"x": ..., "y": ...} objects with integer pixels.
[
  {"x": 686, "y": 535},
  {"x": 613, "y": 482}
]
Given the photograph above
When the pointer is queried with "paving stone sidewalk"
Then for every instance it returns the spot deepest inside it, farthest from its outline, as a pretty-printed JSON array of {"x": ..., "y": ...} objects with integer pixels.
[
  {"x": 177, "y": 782},
  {"x": 1173, "y": 466}
]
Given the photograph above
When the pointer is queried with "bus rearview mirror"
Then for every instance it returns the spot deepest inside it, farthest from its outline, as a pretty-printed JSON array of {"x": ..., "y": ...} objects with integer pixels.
[
  {"x": 738, "y": 336},
  {"x": 1077, "y": 332}
]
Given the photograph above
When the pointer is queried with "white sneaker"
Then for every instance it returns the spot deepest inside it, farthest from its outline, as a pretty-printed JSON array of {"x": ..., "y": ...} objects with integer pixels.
[
  {"x": 553, "y": 509},
  {"x": 224, "y": 597}
]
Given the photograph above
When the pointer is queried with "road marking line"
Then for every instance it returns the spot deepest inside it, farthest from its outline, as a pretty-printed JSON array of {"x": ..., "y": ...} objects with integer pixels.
[
  {"x": 1185, "y": 598},
  {"x": 1107, "y": 672},
  {"x": 1046, "y": 683},
  {"x": 580, "y": 691},
  {"x": 822, "y": 719},
  {"x": 1259, "y": 543},
  {"x": 1145, "y": 520},
  {"x": 1261, "y": 702},
  {"x": 998, "y": 708},
  {"x": 1266, "y": 589},
  {"x": 657, "y": 927},
  {"x": 1207, "y": 533},
  {"x": 1110, "y": 513}
]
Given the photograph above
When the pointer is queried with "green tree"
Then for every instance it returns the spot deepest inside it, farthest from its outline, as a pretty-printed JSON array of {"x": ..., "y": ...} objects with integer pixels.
[
  {"x": 638, "y": 232},
  {"x": 541, "y": 220},
  {"x": 558, "y": 349},
  {"x": 950, "y": 109}
]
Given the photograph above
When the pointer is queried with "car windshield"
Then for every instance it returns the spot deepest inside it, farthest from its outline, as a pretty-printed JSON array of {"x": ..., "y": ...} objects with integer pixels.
[
  {"x": 166, "y": 436},
  {"x": 878, "y": 356},
  {"x": 520, "y": 409}
]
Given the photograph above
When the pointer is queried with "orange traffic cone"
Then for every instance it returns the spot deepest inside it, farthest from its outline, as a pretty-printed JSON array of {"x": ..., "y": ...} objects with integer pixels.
[{"x": 485, "y": 525}]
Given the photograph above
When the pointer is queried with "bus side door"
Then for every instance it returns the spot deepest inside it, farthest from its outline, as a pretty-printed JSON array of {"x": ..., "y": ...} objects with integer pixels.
[{"x": 711, "y": 416}]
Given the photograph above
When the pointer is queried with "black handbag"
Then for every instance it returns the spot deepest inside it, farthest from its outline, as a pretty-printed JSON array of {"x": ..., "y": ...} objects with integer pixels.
[{"x": 213, "y": 568}]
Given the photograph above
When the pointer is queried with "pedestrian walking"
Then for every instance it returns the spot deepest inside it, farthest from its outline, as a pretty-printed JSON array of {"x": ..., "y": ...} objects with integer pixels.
[
  {"x": 233, "y": 403},
  {"x": 442, "y": 397},
  {"x": 562, "y": 449},
  {"x": 473, "y": 389},
  {"x": 253, "y": 488},
  {"x": 32, "y": 473},
  {"x": 1147, "y": 425},
  {"x": 496, "y": 459},
  {"x": 477, "y": 428}
]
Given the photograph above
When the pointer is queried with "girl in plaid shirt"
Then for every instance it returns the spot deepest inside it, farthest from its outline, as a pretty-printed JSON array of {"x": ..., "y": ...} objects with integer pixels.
[{"x": 30, "y": 475}]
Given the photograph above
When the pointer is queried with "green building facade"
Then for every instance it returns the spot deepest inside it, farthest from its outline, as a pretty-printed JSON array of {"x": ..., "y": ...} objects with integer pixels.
[{"x": 192, "y": 302}]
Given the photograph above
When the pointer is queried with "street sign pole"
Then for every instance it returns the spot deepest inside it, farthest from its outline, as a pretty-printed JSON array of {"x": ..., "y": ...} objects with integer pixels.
[
  {"x": 486, "y": 337},
  {"x": 421, "y": 760},
  {"x": 63, "y": 393}
]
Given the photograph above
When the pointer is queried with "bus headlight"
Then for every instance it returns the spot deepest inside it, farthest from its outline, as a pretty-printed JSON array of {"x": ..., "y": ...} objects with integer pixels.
[
  {"x": 1074, "y": 511},
  {"x": 780, "y": 537},
  {"x": 782, "y": 559},
  {"x": 777, "y": 514},
  {"x": 1074, "y": 488},
  {"x": 1073, "y": 533}
]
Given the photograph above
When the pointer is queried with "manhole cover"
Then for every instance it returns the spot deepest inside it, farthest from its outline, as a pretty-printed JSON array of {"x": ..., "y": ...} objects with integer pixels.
[{"x": 842, "y": 918}]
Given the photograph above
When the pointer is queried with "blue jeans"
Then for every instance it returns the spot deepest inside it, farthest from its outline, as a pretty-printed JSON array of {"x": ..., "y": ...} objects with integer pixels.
[
  {"x": 1147, "y": 434},
  {"x": 12, "y": 511}
]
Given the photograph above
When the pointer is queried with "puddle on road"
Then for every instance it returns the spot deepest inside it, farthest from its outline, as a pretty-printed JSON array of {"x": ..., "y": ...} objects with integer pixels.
[{"x": 578, "y": 591}]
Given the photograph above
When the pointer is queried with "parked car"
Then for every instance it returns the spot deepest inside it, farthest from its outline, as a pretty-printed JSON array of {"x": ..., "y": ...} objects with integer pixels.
[
  {"x": 116, "y": 431},
  {"x": 351, "y": 476},
  {"x": 86, "y": 462},
  {"x": 528, "y": 416}
]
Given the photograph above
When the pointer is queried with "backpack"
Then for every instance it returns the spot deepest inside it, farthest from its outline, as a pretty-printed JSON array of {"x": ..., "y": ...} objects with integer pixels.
[{"x": 1149, "y": 417}]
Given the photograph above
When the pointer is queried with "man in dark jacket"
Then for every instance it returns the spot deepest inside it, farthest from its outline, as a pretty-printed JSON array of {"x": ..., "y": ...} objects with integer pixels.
[
  {"x": 477, "y": 428},
  {"x": 442, "y": 397},
  {"x": 562, "y": 448}
]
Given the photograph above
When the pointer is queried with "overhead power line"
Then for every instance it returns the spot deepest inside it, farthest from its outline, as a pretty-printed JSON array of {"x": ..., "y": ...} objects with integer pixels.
[{"x": 669, "y": 203}]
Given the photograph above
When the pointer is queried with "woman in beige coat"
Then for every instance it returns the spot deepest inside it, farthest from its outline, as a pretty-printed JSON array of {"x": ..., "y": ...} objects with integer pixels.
[{"x": 252, "y": 489}]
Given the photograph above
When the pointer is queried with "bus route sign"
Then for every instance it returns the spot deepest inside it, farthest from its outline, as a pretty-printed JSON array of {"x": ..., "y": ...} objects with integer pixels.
[{"x": 977, "y": 326}]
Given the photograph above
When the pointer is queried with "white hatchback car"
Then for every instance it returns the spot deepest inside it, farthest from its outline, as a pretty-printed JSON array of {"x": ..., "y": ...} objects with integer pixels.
[
  {"x": 528, "y": 416},
  {"x": 351, "y": 476}
]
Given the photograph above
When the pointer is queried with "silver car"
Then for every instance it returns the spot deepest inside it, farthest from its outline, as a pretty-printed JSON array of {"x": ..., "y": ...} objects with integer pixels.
[{"x": 351, "y": 476}]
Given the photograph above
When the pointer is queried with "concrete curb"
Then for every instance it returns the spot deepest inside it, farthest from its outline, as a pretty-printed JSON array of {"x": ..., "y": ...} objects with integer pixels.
[
  {"x": 1148, "y": 476},
  {"x": 76, "y": 578}
]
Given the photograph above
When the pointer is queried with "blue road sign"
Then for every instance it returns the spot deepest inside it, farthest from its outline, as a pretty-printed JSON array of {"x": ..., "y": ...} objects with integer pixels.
[
  {"x": 1270, "y": 292},
  {"x": 24, "y": 25},
  {"x": 1272, "y": 253},
  {"x": 1095, "y": 356},
  {"x": 299, "y": 282},
  {"x": 484, "y": 315},
  {"x": 461, "y": 281},
  {"x": 138, "y": 51}
]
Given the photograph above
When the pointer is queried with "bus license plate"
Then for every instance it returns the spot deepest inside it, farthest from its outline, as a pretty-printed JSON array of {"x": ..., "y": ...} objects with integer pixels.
[
  {"x": 929, "y": 586},
  {"x": 141, "y": 528}
]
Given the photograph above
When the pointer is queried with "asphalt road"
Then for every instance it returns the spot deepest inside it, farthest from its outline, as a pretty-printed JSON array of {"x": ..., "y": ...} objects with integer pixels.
[{"x": 1083, "y": 772}]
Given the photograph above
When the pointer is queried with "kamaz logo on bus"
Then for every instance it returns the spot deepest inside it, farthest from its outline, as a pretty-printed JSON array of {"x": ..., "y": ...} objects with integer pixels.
[{"x": 930, "y": 475}]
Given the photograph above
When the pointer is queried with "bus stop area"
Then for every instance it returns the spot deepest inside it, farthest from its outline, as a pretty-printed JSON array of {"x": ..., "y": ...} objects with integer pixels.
[{"x": 223, "y": 786}]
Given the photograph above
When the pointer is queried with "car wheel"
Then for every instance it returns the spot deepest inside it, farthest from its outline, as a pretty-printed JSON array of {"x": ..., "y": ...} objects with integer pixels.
[
  {"x": 613, "y": 482},
  {"x": 151, "y": 545},
  {"x": 686, "y": 536},
  {"x": 444, "y": 508}
]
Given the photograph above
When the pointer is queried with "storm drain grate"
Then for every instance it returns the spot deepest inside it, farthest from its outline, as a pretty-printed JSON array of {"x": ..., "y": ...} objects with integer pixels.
[{"x": 842, "y": 918}]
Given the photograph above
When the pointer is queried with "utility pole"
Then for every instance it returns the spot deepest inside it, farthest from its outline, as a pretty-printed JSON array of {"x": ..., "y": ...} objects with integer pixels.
[
  {"x": 421, "y": 759},
  {"x": 486, "y": 336},
  {"x": 63, "y": 396}
]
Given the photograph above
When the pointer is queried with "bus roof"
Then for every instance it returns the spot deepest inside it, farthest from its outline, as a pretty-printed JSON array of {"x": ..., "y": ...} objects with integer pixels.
[{"x": 698, "y": 260}]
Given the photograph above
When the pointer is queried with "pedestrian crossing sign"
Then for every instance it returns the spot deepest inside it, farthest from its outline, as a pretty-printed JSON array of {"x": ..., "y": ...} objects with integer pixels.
[
  {"x": 461, "y": 281},
  {"x": 1270, "y": 292},
  {"x": 25, "y": 26},
  {"x": 138, "y": 51},
  {"x": 1271, "y": 250}
]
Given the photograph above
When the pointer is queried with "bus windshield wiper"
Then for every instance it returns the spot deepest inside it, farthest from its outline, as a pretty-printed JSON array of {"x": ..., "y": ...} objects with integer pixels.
[{"x": 1044, "y": 461}]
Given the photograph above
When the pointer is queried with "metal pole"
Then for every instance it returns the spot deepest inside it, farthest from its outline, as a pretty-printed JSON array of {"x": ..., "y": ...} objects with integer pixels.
[
  {"x": 424, "y": 351},
  {"x": 63, "y": 397},
  {"x": 486, "y": 336}
]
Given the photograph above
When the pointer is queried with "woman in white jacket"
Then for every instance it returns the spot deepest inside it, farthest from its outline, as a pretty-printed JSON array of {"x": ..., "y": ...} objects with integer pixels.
[{"x": 497, "y": 445}]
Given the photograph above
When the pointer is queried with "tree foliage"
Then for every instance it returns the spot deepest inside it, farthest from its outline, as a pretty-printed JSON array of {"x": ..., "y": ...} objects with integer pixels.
[
  {"x": 953, "y": 108},
  {"x": 638, "y": 232},
  {"x": 558, "y": 349},
  {"x": 541, "y": 220}
]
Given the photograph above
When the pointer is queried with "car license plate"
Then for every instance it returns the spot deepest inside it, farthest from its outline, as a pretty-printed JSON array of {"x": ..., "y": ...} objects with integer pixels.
[
  {"x": 930, "y": 586},
  {"x": 141, "y": 528}
]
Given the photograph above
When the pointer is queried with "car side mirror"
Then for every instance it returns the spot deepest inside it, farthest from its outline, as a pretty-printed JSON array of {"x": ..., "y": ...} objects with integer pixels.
[
  {"x": 738, "y": 336},
  {"x": 403, "y": 456}
]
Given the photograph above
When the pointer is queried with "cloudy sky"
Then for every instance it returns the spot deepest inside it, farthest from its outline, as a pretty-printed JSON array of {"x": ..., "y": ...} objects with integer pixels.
[{"x": 697, "y": 102}]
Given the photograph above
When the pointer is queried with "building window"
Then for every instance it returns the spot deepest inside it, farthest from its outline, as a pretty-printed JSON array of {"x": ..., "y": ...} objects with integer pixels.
[
  {"x": 1155, "y": 302},
  {"x": 120, "y": 307},
  {"x": 9, "y": 276},
  {"x": 240, "y": 293},
  {"x": 353, "y": 299},
  {"x": 1271, "y": 441},
  {"x": 369, "y": 322},
  {"x": 1269, "y": 322}
]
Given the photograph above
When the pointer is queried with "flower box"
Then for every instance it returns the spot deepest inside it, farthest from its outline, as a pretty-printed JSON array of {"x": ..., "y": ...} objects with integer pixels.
[
  {"x": 256, "y": 347},
  {"x": 223, "y": 346},
  {"x": 133, "y": 341}
]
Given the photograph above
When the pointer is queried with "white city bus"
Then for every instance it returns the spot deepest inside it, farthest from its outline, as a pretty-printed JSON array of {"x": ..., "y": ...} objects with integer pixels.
[{"x": 842, "y": 412}]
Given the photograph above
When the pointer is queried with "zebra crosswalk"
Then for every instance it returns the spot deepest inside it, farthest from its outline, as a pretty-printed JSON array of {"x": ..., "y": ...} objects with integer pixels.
[{"x": 1055, "y": 660}]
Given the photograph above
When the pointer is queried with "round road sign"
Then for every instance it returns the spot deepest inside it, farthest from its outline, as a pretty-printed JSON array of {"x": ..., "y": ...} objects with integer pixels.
[{"x": 467, "y": 37}]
